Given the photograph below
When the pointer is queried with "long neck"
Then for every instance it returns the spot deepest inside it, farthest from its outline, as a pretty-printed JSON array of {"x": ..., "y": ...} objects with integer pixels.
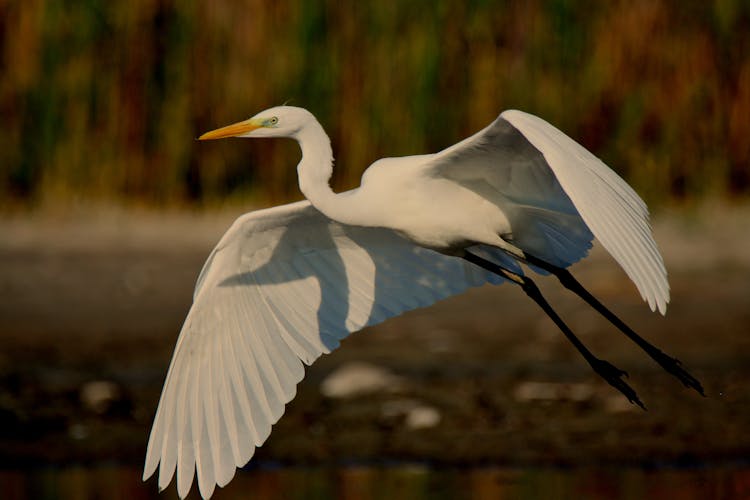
[{"x": 314, "y": 172}]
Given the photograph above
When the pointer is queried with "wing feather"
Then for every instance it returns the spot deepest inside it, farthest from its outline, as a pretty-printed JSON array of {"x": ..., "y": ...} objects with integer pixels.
[
  {"x": 558, "y": 197},
  {"x": 259, "y": 408},
  {"x": 254, "y": 369},
  {"x": 203, "y": 464},
  {"x": 185, "y": 446},
  {"x": 229, "y": 405},
  {"x": 282, "y": 287},
  {"x": 226, "y": 425},
  {"x": 613, "y": 211},
  {"x": 243, "y": 393}
]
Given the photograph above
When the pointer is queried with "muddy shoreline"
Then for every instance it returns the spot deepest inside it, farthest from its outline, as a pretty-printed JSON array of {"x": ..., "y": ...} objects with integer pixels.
[{"x": 92, "y": 308}]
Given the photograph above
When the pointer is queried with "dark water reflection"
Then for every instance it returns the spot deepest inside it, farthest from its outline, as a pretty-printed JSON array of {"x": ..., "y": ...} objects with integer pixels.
[{"x": 396, "y": 482}]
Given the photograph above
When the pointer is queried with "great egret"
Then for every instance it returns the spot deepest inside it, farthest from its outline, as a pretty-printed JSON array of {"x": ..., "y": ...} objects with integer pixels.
[{"x": 286, "y": 284}]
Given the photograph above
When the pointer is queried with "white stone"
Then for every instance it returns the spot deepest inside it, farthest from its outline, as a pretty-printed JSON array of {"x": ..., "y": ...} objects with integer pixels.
[
  {"x": 357, "y": 378},
  {"x": 422, "y": 417}
]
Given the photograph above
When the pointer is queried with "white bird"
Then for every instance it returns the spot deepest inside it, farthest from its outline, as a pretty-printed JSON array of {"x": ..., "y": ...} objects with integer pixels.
[{"x": 284, "y": 285}]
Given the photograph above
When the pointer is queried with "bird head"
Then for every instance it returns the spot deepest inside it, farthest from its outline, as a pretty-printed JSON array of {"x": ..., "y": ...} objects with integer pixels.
[{"x": 280, "y": 121}]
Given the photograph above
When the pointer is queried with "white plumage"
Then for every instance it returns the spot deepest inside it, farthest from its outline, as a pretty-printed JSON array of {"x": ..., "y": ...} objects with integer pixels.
[{"x": 286, "y": 284}]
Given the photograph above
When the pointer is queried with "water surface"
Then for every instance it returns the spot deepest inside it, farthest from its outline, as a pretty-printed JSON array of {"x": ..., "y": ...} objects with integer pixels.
[{"x": 396, "y": 482}]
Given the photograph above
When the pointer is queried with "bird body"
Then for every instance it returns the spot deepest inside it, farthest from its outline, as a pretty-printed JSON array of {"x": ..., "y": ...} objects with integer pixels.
[
  {"x": 398, "y": 193},
  {"x": 427, "y": 210},
  {"x": 285, "y": 285}
]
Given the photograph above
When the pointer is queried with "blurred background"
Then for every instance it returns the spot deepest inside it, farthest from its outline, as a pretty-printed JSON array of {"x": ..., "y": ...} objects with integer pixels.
[
  {"x": 100, "y": 99},
  {"x": 108, "y": 207}
]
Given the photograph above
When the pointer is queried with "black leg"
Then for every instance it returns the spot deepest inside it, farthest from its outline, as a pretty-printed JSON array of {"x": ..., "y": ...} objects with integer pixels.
[
  {"x": 669, "y": 364},
  {"x": 606, "y": 370}
]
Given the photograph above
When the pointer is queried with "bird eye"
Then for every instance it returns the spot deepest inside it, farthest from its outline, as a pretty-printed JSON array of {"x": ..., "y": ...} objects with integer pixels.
[{"x": 272, "y": 121}]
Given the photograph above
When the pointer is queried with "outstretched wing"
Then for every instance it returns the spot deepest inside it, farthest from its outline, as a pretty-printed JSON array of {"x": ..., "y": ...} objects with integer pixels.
[
  {"x": 283, "y": 286},
  {"x": 558, "y": 196}
]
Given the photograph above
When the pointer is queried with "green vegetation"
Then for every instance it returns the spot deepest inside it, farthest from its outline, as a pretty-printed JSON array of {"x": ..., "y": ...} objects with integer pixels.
[{"x": 102, "y": 100}]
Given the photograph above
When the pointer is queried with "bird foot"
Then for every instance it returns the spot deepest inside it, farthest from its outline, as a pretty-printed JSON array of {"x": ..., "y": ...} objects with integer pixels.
[
  {"x": 674, "y": 366},
  {"x": 613, "y": 376}
]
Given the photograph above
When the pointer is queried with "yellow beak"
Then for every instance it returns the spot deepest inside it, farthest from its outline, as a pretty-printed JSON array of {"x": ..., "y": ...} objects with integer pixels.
[{"x": 232, "y": 130}]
